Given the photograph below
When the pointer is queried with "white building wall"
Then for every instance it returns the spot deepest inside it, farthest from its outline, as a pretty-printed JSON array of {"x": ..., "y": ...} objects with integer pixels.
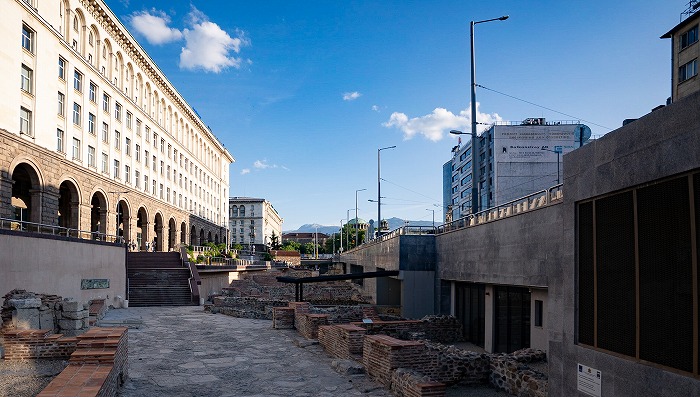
[{"x": 162, "y": 123}]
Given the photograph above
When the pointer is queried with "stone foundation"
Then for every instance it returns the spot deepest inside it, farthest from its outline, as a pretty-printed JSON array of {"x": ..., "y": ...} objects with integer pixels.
[
  {"x": 510, "y": 374},
  {"x": 282, "y": 318},
  {"x": 342, "y": 340},
  {"x": 409, "y": 383}
]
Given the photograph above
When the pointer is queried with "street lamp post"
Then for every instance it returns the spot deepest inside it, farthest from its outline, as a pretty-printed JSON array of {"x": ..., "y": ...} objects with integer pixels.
[
  {"x": 356, "y": 225},
  {"x": 341, "y": 236},
  {"x": 347, "y": 227},
  {"x": 558, "y": 152},
  {"x": 379, "y": 189},
  {"x": 475, "y": 189}
]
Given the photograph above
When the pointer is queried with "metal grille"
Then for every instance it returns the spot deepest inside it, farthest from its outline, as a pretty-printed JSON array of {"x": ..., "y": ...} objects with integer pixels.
[
  {"x": 665, "y": 274},
  {"x": 585, "y": 273},
  {"x": 615, "y": 273}
]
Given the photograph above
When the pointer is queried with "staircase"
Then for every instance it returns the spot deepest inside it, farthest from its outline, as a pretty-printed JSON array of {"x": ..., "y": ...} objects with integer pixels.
[{"x": 158, "y": 279}]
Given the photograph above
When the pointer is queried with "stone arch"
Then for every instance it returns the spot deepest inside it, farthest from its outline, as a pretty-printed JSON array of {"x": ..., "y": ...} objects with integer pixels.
[
  {"x": 216, "y": 238},
  {"x": 129, "y": 80},
  {"x": 107, "y": 59},
  {"x": 209, "y": 239},
  {"x": 81, "y": 33},
  {"x": 183, "y": 233},
  {"x": 64, "y": 14},
  {"x": 142, "y": 230},
  {"x": 118, "y": 77},
  {"x": 98, "y": 215},
  {"x": 172, "y": 234},
  {"x": 69, "y": 199},
  {"x": 27, "y": 191},
  {"x": 193, "y": 235},
  {"x": 201, "y": 237},
  {"x": 93, "y": 45},
  {"x": 158, "y": 230},
  {"x": 138, "y": 90},
  {"x": 123, "y": 218}
]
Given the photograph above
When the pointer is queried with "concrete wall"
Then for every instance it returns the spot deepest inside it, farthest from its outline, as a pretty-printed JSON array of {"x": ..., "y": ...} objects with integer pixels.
[
  {"x": 213, "y": 283},
  {"x": 520, "y": 250},
  {"x": 539, "y": 338},
  {"x": 57, "y": 265},
  {"x": 663, "y": 143},
  {"x": 414, "y": 256}
]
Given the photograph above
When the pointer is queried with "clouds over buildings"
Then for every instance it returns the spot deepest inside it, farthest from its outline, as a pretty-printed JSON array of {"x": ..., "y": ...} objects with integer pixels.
[
  {"x": 440, "y": 121},
  {"x": 207, "y": 46}
]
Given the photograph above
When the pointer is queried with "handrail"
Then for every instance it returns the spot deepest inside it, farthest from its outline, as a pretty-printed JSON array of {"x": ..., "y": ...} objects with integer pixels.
[
  {"x": 32, "y": 227},
  {"x": 518, "y": 206}
]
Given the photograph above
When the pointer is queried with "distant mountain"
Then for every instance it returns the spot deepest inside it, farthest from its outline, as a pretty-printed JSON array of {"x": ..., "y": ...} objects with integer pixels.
[{"x": 394, "y": 223}]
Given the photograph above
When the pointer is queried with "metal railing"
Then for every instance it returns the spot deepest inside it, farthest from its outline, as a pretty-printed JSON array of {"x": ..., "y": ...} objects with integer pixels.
[
  {"x": 31, "y": 227},
  {"x": 521, "y": 205}
]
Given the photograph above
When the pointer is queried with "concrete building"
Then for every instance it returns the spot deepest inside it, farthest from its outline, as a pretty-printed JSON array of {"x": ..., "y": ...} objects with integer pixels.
[
  {"x": 253, "y": 221},
  {"x": 514, "y": 160},
  {"x": 103, "y": 143},
  {"x": 685, "y": 51},
  {"x": 303, "y": 238}
]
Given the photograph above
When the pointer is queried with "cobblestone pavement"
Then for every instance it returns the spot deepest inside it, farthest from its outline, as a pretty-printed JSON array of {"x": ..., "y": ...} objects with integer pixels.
[{"x": 183, "y": 351}]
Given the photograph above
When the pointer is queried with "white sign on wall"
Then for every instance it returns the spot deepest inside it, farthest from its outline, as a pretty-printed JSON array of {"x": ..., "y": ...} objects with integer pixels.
[{"x": 588, "y": 380}]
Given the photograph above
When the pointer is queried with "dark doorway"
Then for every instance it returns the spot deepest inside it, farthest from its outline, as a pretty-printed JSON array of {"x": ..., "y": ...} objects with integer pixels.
[
  {"x": 512, "y": 319},
  {"x": 470, "y": 311}
]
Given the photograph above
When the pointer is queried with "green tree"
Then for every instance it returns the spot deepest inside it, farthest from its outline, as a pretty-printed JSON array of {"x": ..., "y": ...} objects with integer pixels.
[
  {"x": 290, "y": 245},
  {"x": 348, "y": 236},
  {"x": 275, "y": 241}
]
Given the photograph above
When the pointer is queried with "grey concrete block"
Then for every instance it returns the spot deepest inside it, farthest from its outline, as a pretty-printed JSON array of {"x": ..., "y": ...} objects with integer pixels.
[
  {"x": 25, "y": 303},
  {"x": 72, "y": 306},
  {"x": 26, "y": 319},
  {"x": 46, "y": 320},
  {"x": 70, "y": 324}
]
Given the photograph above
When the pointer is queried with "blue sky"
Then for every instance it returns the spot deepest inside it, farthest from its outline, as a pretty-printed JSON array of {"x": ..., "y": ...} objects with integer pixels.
[{"x": 304, "y": 93}]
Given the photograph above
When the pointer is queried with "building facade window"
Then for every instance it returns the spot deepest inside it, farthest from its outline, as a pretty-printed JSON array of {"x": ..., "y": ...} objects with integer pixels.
[
  {"x": 105, "y": 163},
  {"x": 76, "y": 149},
  {"x": 690, "y": 37},
  {"x": 78, "y": 81},
  {"x": 26, "y": 78},
  {"x": 61, "y": 104},
  {"x": 117, "y": 111},
  {"x": 91, "y": 156},
  {"x": 127, "y": 146},
  {"x": 93, "y": 92},
  {"x": 59, "y": 140},
  {"x": 25, "y": 121},
  {"x": 127, "y": 174},
  {"x": 137, "y": 174},
  {"x": 145, "y": 183},
  {"x": 116, "y": 169},
  {"x": 105, "y": 132},
  {"x": 688, "y": 70},
  {"x": 91, "y": 123},
  {"x": 105, "y": 102},
  {"x": 61, "y": 68},
  {"x": 138, "y": 152},
  {"x": 128, "y": 120},
  {"x": 27, "y": 38},
  {"x": 138, "y": 127},
  {"x": 117, "y": 140}
]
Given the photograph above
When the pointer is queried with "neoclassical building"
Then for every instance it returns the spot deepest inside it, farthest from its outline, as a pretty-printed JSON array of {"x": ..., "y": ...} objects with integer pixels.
[
  {"x": 104, "y": 143},
  {"x": 253, "y": 221}
]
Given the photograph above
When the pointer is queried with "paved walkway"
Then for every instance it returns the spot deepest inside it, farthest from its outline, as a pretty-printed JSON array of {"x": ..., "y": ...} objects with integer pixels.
[
  {"x": 185, "y": 352},
  {"x": 182, "y": 351}
]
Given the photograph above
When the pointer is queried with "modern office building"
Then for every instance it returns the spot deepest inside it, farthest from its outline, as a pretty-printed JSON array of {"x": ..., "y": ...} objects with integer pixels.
[
  {"x": 253, "y": 221},
  {"x": 514, "y": 160},
  {"x": 95, "y": 138},
  {"x": 685, "y": 50}
]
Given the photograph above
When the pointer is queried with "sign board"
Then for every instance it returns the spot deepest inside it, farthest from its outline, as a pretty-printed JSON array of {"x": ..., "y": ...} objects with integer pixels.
[
  {"x": 523, "y": 144},
  {"x": 588, "y": 380},
  {"x": 94, "y": 283}
]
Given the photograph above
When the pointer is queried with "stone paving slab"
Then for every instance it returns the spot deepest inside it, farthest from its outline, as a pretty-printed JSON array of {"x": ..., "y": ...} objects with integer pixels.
[{"x": 182, "y": 351}]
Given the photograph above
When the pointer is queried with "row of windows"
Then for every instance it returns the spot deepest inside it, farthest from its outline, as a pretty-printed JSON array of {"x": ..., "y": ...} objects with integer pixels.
[
  {"x": 27, "y": 85},
  {"x": 689, "y": 37}
]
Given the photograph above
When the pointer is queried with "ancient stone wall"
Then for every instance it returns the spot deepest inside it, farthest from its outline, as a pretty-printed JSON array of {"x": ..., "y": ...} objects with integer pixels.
[
  {"x": 410, "y": 383},
  {"x": 342, "y": 340}
]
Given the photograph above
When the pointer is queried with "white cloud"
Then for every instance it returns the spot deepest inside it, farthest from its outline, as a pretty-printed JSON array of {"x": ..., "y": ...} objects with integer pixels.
[
  {"x": 264, "y": 165},
  {"x": 153, "y": 25},
  {"x": 245, "y": 171},
  {"x": 208, "y": 47},
  {"x": 432, "y": 126},
  {"x": 375, "y": 108},
  {"x": 351, "y": 96}
]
